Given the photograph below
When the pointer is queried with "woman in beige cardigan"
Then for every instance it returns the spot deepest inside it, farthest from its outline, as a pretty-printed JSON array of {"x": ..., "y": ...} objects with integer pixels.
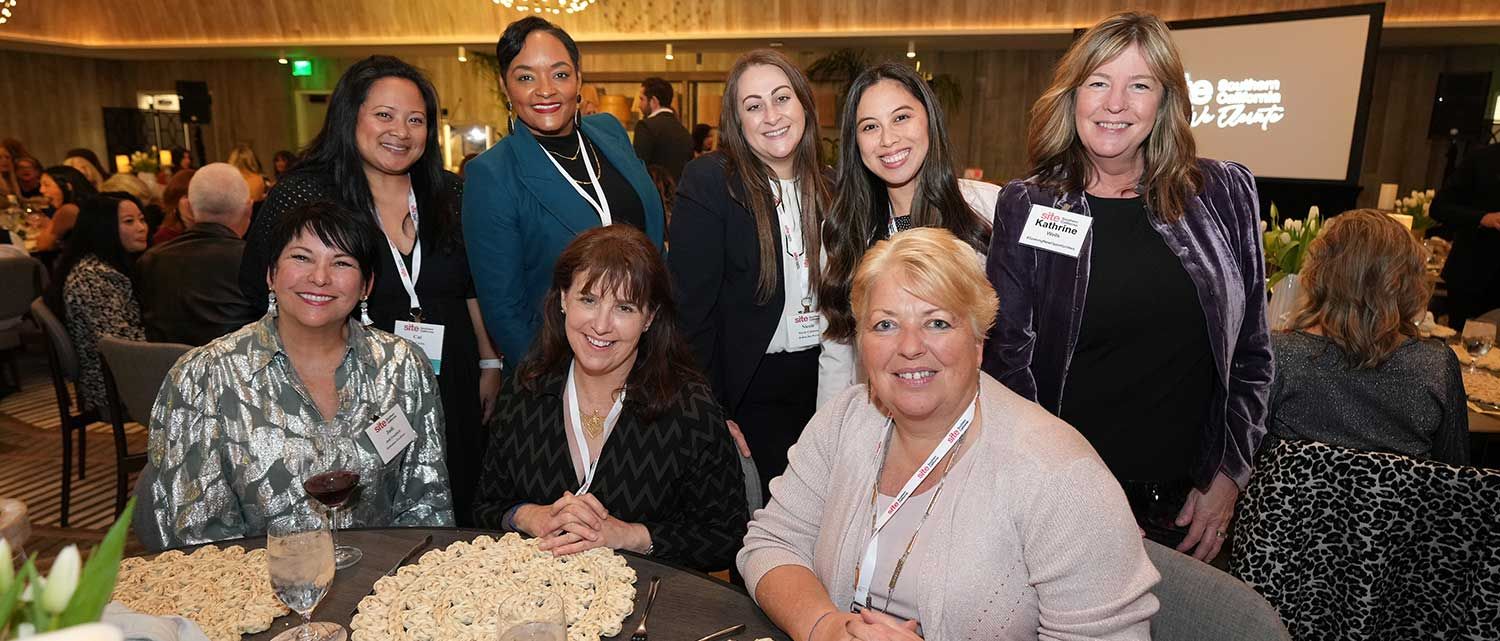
[{"x": 1005, "y": 522}]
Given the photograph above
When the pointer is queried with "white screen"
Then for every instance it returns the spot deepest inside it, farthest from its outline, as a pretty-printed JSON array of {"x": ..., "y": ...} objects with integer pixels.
[{"x": 1279, "y": 97}]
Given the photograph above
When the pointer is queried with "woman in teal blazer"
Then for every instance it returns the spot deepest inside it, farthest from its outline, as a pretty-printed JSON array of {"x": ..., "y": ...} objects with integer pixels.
[{"x": 527, "y": 197}]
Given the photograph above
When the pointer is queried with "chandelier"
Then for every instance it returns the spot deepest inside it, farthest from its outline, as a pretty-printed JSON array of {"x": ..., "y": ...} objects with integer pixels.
[
  {"x": 5, "y": 10},
  {"x": 555, "y": 7}
]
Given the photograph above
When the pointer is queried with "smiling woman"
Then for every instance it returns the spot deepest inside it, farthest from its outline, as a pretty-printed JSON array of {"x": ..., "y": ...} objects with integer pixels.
[
  {"x": 556, "y": 176},
  {"x": 377, "y": 155}
]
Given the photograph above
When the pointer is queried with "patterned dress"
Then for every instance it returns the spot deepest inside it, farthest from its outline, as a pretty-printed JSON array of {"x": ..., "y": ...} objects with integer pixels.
[
  {"x": 233, "y": 411},
  {"x": 100, "y": 302}
]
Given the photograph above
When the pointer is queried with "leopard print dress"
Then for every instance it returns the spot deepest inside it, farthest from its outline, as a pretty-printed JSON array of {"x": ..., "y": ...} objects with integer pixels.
[{"x": 100, "y": 302}]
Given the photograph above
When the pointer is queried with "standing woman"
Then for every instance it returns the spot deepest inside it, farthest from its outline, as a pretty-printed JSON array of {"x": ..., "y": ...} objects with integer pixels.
[
  {"x": 378, "y": 155},
  {"x": 555, "y": 176},
  {"x": 746, "y": 223},
  {"x": 1150, "y": 335},
  {"x": 893, "y": 123}
]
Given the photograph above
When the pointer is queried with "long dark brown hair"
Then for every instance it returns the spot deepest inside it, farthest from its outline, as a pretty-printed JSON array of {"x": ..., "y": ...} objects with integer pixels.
[
  {"x": 1058, "y": 158},
  {"x": 1366, "y": 281},
  {"x": 861, "y": 203},
  {"x": 622, "y": 260},
  {"x": 742, "y": 164}
]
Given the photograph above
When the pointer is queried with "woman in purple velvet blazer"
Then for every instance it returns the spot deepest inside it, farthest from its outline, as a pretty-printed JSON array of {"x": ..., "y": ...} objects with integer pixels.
[{"x": 1132, "y": 284}]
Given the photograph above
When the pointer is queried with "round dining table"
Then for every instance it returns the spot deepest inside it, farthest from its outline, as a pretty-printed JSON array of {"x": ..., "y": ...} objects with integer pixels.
[{"x": 689, "y": 605}]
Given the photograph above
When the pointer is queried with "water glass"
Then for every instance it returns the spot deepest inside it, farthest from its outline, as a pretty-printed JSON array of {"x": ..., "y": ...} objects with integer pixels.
[
  {"x": 534, "y": 616},
  {"x": 1478, "y": 338},
  {"x": 299, "y": 551}
]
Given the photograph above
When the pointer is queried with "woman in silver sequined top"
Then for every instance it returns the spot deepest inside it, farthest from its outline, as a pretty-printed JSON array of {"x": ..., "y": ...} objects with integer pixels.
[{"x": 234, "y": 411}]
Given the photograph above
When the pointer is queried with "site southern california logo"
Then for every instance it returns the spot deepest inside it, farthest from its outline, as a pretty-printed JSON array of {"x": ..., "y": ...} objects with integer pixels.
[{"x": 1051, "y": 221}]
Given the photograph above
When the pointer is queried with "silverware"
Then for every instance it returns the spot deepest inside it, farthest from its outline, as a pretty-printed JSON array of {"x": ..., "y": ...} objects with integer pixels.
[
  {"x": 411, "y": 554},
  {"x": 640, "y": 631},
  {"x": 733, "y": 629}
]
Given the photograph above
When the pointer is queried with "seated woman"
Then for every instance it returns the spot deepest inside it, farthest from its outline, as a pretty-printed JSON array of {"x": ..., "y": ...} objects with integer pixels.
[
  {"x": 92, "y": 291},
  {"x": 64, "y": 187},
  {"x": 1350, "y": 370},
  {"x": 230, "y": 410},
  {"x": 609, "y": 374},
  {"x": 1033, "y": 537}
]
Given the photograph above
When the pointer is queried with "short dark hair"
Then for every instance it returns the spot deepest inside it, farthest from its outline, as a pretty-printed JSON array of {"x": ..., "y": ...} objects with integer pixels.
[
  {"x": 514, "y": 38},
  {"x": 619, "y": 259},
  {"x": 336, "y": 226},
  {"x": 75, "y": 187},
  {"x": 659, "y": 89},
  {"x": 701, "y": 132}
]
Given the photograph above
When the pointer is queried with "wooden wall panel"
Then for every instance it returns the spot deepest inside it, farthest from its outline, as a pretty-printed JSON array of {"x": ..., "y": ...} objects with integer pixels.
[
  {"x": 294, "y": 22},
  {"x": 51, "y": 103}
]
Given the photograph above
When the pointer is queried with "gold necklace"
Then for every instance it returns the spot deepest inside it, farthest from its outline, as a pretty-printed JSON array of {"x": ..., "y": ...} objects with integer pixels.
[
  {"x": 574, "y": 157},
  {"x": 593, "y": 424}
]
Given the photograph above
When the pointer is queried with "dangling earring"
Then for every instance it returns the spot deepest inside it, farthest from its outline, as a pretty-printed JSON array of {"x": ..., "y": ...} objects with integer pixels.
[
  {"x": 271, "y": 305},
  {"x": 510, "y": 118},
  {"x": 364, "y": 312}
]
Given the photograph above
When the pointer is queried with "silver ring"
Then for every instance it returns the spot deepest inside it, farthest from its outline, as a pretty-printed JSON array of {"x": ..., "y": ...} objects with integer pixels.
[{"x": 1221, "y": 534}]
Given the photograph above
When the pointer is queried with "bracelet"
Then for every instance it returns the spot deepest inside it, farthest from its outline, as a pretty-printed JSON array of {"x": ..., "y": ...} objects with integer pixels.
[
  {"x": 491, "y": 363},
  {"x": 508, "y": 522},
  {"x": 814, "y": 627}
]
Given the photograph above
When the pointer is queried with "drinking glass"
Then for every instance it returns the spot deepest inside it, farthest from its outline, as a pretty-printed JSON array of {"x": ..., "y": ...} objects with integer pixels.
[
  {"x": 1478, "y": 338},
  {"x": 328, "y": 471},
  {"x": 299, "y": 551},
  {"x": 534, "y": 616}
]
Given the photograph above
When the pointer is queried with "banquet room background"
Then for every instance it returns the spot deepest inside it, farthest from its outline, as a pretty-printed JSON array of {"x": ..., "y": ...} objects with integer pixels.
[{"x": 61, "y": 67}]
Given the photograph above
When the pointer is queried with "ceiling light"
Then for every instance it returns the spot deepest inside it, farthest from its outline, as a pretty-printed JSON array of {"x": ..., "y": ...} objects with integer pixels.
[
  {"x": 911, "y": 48},
  {"x": 554, "y": 7},
  {"x": 5, "y": 10},
  {"x": 463, "y": 55},
  {"x": 669, "y": 51},
  {"x": 281, "y": 58}
]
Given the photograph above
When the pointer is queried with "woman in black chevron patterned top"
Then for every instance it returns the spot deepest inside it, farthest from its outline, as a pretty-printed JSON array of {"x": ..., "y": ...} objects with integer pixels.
[{"x": 607, "y": 435}]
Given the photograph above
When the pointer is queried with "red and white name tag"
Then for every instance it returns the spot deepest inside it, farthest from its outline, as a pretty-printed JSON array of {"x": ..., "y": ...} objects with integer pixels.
[
  {"x": 390, "y": 434},
  {"x": 1054, "y": 230}
]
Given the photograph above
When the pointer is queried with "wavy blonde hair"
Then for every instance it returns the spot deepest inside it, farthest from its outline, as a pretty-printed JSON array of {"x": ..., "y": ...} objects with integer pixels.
[
  {"x": 1366, "y": 284},
  {"x": 933, "y": 265},
  {"x": 1057, "y": 156}
]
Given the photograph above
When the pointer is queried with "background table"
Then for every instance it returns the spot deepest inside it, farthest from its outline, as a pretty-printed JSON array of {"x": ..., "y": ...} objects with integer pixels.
[{"x": 689, "y": 605}]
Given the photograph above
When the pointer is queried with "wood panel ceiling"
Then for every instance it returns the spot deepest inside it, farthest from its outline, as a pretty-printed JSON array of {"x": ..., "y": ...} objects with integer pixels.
[{"x": 103, "y": 25}]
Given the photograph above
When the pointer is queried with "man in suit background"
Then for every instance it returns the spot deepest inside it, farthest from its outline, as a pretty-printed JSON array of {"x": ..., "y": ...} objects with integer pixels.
[
  {"x": 1470, "y": 202},
  {"x": 660, "y": 138}
]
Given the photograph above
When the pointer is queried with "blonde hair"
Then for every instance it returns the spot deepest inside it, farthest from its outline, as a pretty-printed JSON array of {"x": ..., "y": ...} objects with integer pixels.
[
  {"x": 933, "y": 265},
  {"x": 242, "y": 157},
  {"x": 86, "y": 168},
  {"x": 1058, "y": 158},
  {"x": 1366, "y": 283},
  {"x": 129, "y": 184}
]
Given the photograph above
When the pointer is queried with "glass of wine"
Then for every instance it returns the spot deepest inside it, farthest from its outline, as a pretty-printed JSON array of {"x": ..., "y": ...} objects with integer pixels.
[
  {"x": 1479, "y": 337},
  {"x": 533, "y": 616},
  {"x": 299, "y": 550},
  {"x": 329, "y": 473}
]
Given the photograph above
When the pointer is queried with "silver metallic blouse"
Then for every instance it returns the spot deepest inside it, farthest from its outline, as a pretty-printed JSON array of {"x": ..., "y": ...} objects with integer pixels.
[{"x": 229, "y": 410}]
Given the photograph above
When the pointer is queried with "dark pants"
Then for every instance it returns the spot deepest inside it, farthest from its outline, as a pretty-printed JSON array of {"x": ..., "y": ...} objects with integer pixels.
[
  {"x": 1155, "y": 505},
  {"x": 778, "y": 403},
  {"x": 1468, "y": 304}
]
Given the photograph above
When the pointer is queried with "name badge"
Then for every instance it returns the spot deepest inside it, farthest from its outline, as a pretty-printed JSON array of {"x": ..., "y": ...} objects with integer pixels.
[
  {"x": 391, "y": 433},
  {"x": 1055, "y": 230},
  {"x": 427, "y": 336},
  {"x": 803, "y": 330}
]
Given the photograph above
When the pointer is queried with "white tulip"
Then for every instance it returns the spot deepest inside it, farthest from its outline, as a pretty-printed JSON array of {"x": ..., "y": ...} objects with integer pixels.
[
  {"x": 7, "y": 571},
  {"x": 1285, "y": 239},
  {"x": 1431, "y": 193},
  {"x": 1262, "y": 226},
  {"x": 61, "y": 581}
]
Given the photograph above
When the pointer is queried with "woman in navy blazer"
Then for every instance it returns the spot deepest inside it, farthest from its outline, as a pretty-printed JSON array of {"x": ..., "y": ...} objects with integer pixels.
[{"x": 527, "y": 197}]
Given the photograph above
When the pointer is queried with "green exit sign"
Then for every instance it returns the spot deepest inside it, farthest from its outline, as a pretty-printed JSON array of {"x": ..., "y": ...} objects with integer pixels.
[{"x": 301, "y": 67}]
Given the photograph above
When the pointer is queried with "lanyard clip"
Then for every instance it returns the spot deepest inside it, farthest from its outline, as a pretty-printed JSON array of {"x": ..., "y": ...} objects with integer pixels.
[{"x": 416, "y": 314}]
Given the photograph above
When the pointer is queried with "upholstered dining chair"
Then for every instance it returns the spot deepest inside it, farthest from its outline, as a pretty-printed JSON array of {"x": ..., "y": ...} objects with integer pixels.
[
  {"x": 62, "y": 360},
  {"x": 143, "y": 367},
  {"x": 1200, "y": 602},
  {"x": 20, "y": 282},
  {"x": 1347, "y": 544}
]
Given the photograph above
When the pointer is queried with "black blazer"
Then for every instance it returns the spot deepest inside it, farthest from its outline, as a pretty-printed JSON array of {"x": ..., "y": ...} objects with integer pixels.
[
  {"x": 662, "y": 140},
  {"x": 715, "y": 264},
  {"x": 679, "y": 475},
  {"x": 1471, "y": 192}
]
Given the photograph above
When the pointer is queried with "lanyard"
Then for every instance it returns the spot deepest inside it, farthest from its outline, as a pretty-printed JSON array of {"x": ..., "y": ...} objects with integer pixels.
[
  {"x": 590, "y": 466},
  {"x": 409, "y": 279},
  {"x": 879, "y": 520},
  {"x": 798, "y": 255},
  {"x": 602, "y": 204}
]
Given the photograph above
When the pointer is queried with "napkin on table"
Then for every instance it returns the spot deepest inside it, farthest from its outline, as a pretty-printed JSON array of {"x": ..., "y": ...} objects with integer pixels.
[{"x": 144, "y": 627}]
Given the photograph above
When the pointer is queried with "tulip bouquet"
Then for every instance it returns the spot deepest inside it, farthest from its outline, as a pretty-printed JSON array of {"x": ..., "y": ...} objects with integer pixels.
[
  {"x": 1419, "y": 206},
  {"x": 1286, "y": 243},
  {"x": 144, "y": 163},
  {"x": 73, "y": 593}
]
